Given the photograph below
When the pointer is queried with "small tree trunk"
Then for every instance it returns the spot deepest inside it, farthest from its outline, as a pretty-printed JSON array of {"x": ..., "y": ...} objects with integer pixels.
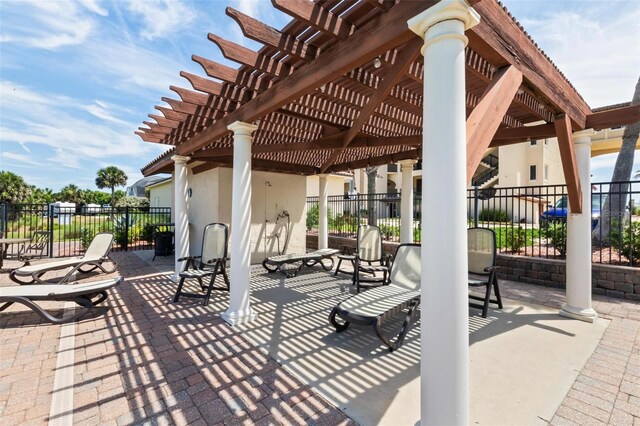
[
  {"x": 372, "y": 174},
  {"x": 614, "y": 206}
]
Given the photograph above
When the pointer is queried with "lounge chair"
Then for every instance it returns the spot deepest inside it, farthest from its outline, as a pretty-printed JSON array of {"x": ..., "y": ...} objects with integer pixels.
[
  {"x": 481, "y": 248},
  {"x": 278, "y": 263},
  {"x": 369, "y": 258},
  {"x": 94, "y": 258},
  {"x": 211, "y": 262},
  {"x": 82, "y": 294},
  {"x": 373, "y": 306},
  {"x": 36, "y": 248}
]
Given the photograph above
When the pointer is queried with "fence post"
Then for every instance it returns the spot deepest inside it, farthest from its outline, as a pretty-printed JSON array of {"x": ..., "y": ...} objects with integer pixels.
[
  {"x": 50, "y": 208},
  {"x": 3, "y": 220},
  {"x": 126, "y": 228},
  {"x": 475, "y": 206}
]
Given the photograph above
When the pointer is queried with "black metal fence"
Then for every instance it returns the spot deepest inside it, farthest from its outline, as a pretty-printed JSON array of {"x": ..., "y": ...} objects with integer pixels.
[
  {"x": 528, "y": 221},
  {"x": 71, "y": 230},
  {"x": 346, "y": 212}
]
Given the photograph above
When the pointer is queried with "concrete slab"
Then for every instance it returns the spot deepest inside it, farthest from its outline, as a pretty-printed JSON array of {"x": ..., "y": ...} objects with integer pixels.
[{"x": 524, "y": 359}]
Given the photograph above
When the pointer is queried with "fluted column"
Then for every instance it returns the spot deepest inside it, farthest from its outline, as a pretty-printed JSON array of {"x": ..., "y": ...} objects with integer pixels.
[
  {"x": 239, "y": 299},
  {"x": 445, "y": 317},
  {"x": 578, "y": 304},
  {"x": 406, "y": 201},
  {"x": 323, "y": 219},
  {"x": 181, "y": 212}
]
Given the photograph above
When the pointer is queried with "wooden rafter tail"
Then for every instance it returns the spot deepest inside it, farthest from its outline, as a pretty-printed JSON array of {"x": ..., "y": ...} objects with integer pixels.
[
  {"x": 316, "y": 16},
  {"x": 384, "y": 32},
  {"x": 486, "y": 117},
  {"x": 405, "y": 58},
  {"x": 614, "y": 117},
  {"x": 171, "y": 114},
  {"x": 569, "y": 165},
  {"x": 163, "y": 121}
]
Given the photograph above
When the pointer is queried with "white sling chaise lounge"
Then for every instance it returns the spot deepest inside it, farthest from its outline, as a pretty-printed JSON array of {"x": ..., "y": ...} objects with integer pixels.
[
  {"x": 96, "y": 255},
  {"x": 373, "y": 306},
  {"x": 82, "y": 294}
]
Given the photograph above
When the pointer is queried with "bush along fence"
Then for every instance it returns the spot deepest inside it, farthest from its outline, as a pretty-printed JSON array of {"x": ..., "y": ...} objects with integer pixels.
[
  {"x": 71, "y": 230},
  {"x": 528, "y": 221}
]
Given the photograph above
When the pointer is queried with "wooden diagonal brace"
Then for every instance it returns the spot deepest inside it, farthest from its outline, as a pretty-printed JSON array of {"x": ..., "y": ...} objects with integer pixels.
[
  {"x": 569, "y": 165},
  {"x": 486, "y": 117}
]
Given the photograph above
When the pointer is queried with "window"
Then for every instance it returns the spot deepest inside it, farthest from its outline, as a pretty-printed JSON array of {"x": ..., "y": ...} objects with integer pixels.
[
  {"x": 533, "y": 172},
  {"x": 546, "y": 172},
  {"x": 534, "y": 143}
]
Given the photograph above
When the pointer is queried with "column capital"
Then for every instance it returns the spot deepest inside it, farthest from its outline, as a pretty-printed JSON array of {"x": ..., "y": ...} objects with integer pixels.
[
  {"x": 242, "y": 128},
  {"x": 407, "y": 162},
  {"x": 444, "y": 10},
  {"x": 323, "y": 175},
  {"x": 180, "y": 159},
  {"x": 582, "y": 136}
]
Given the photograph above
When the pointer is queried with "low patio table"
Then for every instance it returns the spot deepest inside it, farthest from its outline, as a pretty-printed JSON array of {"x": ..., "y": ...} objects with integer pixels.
[{"x": 6, "y": 242}]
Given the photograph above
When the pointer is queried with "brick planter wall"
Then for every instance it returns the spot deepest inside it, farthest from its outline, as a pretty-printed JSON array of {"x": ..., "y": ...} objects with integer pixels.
[{"x": 614, "y": 281}]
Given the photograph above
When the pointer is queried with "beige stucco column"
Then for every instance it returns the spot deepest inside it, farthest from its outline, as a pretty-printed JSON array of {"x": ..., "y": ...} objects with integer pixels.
[
  {"x": 444, "y": 367},
  {"x": 181, "y": 212},
  {"x": 578, "y": 304},
  {"x": 406, "y": 201},
  {"x": 239, "y": 299},
  {"x": 323, "y": 219}
]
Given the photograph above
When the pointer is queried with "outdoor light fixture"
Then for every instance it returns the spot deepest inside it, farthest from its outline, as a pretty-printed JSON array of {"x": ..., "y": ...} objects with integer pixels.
[
  {"x": 377, "y": 63},
  {"x": 189, "y": 192}
]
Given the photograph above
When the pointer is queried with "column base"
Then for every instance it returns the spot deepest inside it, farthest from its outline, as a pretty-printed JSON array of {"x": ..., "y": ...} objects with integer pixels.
[
  {"x": 174, "y": 277},
  {"x": 238, "y": 317},
  {"x": 587, "y": 315}
]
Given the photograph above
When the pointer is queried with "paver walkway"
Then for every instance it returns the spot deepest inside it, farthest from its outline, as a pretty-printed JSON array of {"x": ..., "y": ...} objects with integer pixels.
[
  {"x": 150, "y": 361},
  {"x": 147, "y": 360}
]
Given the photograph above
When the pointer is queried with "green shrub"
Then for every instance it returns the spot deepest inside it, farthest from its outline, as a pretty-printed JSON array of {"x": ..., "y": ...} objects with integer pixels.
[
  {"x": 86, "y": 236},
  {"x": 556, "y": 233},
  {"x": 147, "y": 233},
  {"x": 123, "y": 234},
  {"x": 627, "y": 239},
  {"x": 313, "y": 217},
  {"x": 132, "y": 202},
  {"x": 390, "y": 231},
  {"x": 516, "y": 239},
  {"x": 493, "y": 215}
]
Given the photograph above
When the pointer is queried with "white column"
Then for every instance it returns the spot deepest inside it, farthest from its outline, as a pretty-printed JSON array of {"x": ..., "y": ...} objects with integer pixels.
[
  {"x": 406, "y": 201},
  {"x": 181, "y": 212},
  {"x": 323, "y": 220},
  {"x": 578, "y": 303},
  {"x": 239, "y": 300},
  {"x": 445, "y": 316}
]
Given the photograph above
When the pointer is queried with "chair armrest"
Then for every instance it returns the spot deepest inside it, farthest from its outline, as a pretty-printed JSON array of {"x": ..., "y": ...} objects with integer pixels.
[
  {"x": 491, "y": 268},
  {"x": 388, "y": 260},
  {"x": 346, "y": 250},
  {"x": 189, "y": 258}
]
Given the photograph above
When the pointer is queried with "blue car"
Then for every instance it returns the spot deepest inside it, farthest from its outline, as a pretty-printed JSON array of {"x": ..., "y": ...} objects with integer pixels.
[{"x": 558, "y": 212}]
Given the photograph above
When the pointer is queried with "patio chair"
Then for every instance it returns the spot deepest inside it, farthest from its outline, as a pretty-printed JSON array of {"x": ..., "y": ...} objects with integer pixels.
[
  {"x": 369, "y": 258},
  {"x": 36, "y": 248},
  {"x": 482, "y": 267},
  {"x": 82, "y": 294},
  {"x": 211, "y": 262},
  {"x": 95, "y": 257},
  {"x": 376, "y": 305},
  {"x": 278, "y": 263}
]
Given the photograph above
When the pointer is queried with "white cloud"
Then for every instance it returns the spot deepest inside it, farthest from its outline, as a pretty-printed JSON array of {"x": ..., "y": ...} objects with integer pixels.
[
  {"x": 47, "y": 24},
  {"x": 94, "y": 6},
  {"x": 22, "y": 158},
  {"x": 598, "y": 50},
  {"x": 161, "y": 18}
]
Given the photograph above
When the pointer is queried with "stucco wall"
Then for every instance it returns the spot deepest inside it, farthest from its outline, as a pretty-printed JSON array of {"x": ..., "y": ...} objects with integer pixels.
[
  {"x": 335, "y": 185},
  {"x": 161, "y": 195},
  {"x": 211, "y": 202}
]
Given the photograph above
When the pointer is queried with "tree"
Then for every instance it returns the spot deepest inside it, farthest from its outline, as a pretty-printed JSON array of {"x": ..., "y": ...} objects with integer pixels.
[
  {"x": 372, "y": 174},
  {"x": 615, "y": 203},
  {"x": 71, "y": 194},
  {"x": 110, "y": 177},
  {"x": 13, "y": 189}
]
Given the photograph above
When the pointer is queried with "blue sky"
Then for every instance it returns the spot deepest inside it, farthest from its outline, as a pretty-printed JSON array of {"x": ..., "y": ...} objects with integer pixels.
[{"x": 78, "y": 77}]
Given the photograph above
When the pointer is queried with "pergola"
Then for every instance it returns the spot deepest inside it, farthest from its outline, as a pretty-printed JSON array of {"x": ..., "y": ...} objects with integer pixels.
[{"x": 349, "y": 84}]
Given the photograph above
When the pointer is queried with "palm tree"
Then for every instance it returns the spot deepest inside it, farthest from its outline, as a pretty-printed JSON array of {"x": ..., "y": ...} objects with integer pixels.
[
  {"x": 110, "y": 177},
  {"x": 71, "y": 194}
]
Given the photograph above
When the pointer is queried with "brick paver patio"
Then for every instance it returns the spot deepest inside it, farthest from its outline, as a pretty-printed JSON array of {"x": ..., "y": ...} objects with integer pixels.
[{"x": 149, "y": 361}]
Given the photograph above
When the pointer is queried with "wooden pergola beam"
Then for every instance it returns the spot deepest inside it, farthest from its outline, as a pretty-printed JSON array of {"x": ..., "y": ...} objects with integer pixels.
[
  {"x": 486, "y": 117},
  {"x": 392, "y": 75},
  {"x": 569, "y": 165},
  {"x": 376, "y": 161},
  {"x": 498, "y": 33},
  {"x": 384, "y": 32},
  {"x": 614, "y": 117},
  {"x": 541, "y": 131},
  {"x": 318, "y": 17}
]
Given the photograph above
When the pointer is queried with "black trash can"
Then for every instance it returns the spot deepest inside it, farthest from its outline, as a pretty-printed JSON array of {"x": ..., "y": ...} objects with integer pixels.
[{"x": 163, "y": 244}]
